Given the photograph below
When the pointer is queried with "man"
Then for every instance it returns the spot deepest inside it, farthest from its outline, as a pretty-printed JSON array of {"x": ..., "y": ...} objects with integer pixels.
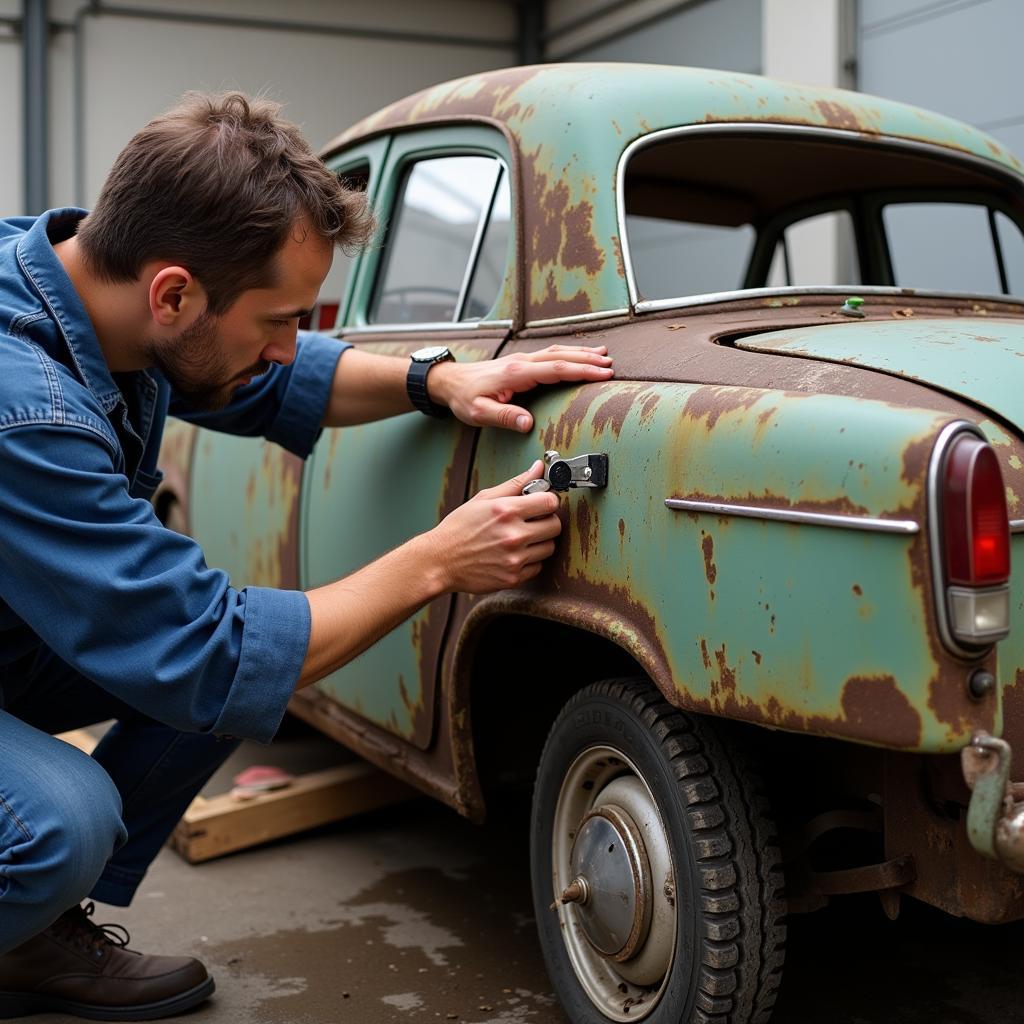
[{"x": 181, "y": 292}]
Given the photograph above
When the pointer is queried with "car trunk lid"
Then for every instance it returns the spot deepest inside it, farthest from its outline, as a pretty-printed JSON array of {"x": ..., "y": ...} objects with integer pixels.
[{"x": 980, "y": 359}]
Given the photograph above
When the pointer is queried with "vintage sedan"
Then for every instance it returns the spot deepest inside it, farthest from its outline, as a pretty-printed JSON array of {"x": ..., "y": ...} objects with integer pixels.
[{"x": 779, "y": 654}]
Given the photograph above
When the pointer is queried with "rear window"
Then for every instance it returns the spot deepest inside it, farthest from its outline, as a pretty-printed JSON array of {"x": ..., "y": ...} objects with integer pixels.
[{"x": 722, "y": 211}]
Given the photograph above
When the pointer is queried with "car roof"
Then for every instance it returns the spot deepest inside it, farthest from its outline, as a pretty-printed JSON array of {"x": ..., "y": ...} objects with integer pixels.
[
  {"x": 568, "y": 124},
  {"x": 556, "y": 104}
]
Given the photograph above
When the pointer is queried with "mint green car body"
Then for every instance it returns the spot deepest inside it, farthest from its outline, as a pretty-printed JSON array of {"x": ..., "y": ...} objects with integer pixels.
[{"x": 764, "y": 397}]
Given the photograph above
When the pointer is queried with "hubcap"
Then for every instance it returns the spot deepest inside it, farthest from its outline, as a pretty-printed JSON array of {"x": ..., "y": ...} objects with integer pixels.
[
  {"x": 615, "y": 884},
  {"x": 609, "y": 858}
]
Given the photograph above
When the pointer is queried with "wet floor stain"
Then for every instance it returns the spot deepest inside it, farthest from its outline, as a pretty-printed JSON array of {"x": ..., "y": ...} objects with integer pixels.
[{"x": 418, "y": 946}]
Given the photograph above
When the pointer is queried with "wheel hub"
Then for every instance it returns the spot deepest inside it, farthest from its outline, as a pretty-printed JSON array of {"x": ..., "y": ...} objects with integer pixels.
[{"x": 611, "y": 884}]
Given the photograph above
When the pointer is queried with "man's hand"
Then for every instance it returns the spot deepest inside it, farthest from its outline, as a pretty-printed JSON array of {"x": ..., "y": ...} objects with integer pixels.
[
  {"x": 479, "y": 393},
  {"x": 498, "y": 538}
]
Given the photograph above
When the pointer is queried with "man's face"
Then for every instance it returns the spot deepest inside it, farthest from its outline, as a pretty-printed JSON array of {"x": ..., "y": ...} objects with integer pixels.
[{"x": 208, "y": 361}]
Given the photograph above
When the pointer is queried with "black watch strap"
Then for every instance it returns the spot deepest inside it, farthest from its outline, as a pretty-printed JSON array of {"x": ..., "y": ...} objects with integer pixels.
[{"x": 416, "y": 386}]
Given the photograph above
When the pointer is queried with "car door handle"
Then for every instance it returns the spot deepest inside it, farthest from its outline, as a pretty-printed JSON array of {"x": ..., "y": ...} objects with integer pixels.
[{"x": 560, "y": 474}]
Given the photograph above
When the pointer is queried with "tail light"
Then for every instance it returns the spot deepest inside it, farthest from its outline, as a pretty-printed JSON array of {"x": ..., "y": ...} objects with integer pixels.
[{"x": 975, "y": 541}]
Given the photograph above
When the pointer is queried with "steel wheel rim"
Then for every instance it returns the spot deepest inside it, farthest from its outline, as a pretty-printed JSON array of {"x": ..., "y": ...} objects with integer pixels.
[{"x": 603, "y": 785}]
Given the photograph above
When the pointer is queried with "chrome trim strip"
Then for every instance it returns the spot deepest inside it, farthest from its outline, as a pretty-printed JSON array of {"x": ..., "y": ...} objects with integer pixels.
[
  {"x": 578, "y": 318},
  {"x": 900, "y": 526},
  {"x": 1017, "y": 526},
  {"x": 444, "y": 325},
  {"x": 651, "y": 305},
  {"x": 935, "y": 467},
  {"x": 755, "y": 127}
]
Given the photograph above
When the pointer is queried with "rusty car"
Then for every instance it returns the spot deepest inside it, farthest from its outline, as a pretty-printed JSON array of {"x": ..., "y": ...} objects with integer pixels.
[{"x": 778, "y": 655}]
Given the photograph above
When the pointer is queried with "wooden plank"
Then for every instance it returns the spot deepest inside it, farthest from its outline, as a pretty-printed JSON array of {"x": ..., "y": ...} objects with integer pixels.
[
  {"x": 85, "y": 741},
  {"x": 218, "y": 825}
]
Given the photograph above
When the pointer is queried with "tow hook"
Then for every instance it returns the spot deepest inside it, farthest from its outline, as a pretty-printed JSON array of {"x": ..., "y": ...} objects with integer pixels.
[{"x": 995, "y": 819}]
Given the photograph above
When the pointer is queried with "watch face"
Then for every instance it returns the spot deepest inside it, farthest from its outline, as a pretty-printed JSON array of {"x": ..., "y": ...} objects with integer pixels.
[{"x": 428, "y": 355}]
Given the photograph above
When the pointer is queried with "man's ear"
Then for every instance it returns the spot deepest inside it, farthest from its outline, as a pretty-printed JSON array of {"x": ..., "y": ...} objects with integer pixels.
[{"x": 176, "y": 298}]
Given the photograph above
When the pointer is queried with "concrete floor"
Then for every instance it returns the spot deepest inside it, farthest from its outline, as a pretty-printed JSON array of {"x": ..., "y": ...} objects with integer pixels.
[{"x": 411, "y": 914}]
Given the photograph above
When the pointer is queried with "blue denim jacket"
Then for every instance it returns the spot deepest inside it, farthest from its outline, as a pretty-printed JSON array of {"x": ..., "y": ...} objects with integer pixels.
[{"x": 86, "y": 568}]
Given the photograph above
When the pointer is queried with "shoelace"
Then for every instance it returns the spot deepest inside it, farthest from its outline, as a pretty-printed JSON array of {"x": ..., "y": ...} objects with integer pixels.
[{"x": 76, "y": 926}]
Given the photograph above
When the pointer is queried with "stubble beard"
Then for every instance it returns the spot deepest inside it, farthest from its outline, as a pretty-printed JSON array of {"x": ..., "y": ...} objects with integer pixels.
[{"x": 194, "y": 367}]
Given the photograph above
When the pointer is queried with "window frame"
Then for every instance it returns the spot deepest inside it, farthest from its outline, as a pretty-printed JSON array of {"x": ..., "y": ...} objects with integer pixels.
[
  {"x": 874, "y": 246},
  {"x": 407, "y": 149}
]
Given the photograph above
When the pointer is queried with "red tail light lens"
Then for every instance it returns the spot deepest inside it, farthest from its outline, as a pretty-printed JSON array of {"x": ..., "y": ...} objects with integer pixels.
[{"x": 976, "y": 524}]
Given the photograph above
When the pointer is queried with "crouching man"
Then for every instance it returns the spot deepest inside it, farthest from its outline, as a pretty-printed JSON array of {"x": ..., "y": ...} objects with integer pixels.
[{"x": 181, "y": 292}]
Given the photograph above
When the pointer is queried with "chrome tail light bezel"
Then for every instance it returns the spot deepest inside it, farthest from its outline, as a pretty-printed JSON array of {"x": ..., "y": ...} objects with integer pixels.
[{"x": 955, "y": 603}]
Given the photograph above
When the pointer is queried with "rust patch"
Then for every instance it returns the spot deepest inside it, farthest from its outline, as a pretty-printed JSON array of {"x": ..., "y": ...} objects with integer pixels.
[
  {"x": 622, "y": 528},
  {"x": 583, "y": 527},
  {"x": 613, "y": 411},
  {"x": 549, "y": 305},
  {"x": 711, "y": 402},
  {"x": 757, "y": 656},
  {"x": 620, "y": 263},
  {"x": 856, "y": 588},
  {"x": 650, "y": 403},
  {"x": 704, "y": 656},
  {"x": 875, "y": 708},
  {"x": 836, "y": 115},
  {"x": 708, "y": 547},
  {"x": 580, "y": 248}
]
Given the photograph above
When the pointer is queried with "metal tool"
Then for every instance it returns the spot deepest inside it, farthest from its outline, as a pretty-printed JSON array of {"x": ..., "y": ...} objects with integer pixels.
[{"x": 561, "y": 474}]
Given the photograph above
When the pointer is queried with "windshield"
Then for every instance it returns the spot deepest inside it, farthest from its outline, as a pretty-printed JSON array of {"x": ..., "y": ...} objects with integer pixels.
[{"x": 752, "y": 210}]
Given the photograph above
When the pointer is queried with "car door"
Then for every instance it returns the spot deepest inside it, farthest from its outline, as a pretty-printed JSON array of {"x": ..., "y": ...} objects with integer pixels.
[{"x": 439, "y": 274}]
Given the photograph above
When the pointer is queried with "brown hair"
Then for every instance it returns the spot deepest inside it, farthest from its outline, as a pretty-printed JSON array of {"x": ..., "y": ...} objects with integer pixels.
[{"x": 215, "y": 184}]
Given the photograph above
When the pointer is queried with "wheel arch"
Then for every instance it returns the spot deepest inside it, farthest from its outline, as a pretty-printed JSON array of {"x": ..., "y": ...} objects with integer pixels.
[{"x": 562, "y": 644}]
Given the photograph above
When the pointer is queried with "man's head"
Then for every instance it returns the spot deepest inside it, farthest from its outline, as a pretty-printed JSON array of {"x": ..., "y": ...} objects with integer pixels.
[{"x": 223, "y": 211}]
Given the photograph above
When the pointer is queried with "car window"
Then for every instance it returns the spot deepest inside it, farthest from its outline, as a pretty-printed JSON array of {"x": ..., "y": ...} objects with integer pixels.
[
  {"x": 678, "y": 257},
  {"x": 810, "y": 244},
  {"x": 919, "y": 246},
  {"x": 1011, "y": 245},
  {"x": 489, "y": 272},
  {"x": 727, "y": 209},
  {"x": 433, "y": 238}
]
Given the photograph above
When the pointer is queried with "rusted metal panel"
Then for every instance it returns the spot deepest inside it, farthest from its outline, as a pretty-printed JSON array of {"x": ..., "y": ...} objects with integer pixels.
[
  {"x": 368, "y": 489},
  {"x": 925, "y": 803},
  {"x": 175, "y": 461},
  {"x": 979, "y": 359},
  {"x": 245, "y": 509},
  {"x": 739, "y": 617},
  {"x": 568, "y": 151}
]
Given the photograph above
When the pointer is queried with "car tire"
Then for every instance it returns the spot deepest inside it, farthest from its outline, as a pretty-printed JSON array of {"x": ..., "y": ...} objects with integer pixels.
[{"x": 673, "y": 827}]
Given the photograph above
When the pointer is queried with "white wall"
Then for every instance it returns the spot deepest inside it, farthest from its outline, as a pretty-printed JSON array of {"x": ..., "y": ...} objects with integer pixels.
[
  {"x": 10, "y": 116},
  {"x": 811, "y": 42},
  {"x": 707, "y": 33},
  {"x": 134, "y": 69}
]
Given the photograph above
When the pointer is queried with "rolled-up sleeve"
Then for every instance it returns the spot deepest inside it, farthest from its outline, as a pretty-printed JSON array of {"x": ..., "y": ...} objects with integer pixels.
[
  {"x": 285, "y": 405},
  {"x": 131, "y": 604}
]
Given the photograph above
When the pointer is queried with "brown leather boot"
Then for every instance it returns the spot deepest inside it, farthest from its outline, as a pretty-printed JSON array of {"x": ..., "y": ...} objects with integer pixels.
[{"x": 85, "y": 969}]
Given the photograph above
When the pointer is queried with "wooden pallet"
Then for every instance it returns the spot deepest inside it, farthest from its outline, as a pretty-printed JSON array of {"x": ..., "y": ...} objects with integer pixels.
[{"x": 217, "y": 825}]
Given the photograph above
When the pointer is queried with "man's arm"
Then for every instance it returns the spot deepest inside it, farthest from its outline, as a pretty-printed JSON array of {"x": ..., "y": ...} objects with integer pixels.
[
  {"x": 370, "y": 387},
  {"x": 497, "y": 539}
]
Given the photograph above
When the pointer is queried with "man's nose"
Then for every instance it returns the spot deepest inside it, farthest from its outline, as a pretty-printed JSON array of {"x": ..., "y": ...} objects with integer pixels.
[{"x": 280, "y": 350}]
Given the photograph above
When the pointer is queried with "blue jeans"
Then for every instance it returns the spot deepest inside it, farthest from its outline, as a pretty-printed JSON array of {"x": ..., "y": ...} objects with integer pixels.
[{"x": 73, "y": 825}]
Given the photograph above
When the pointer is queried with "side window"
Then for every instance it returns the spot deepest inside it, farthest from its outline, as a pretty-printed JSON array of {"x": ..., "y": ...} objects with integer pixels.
[
  {"x": 1011, "y": 245},
  {"x": 682, "y": 257},
  {"x": 942, "y": 246},
  {"x": 443, "y": 222},
  {"x": 819, "y": 250}
]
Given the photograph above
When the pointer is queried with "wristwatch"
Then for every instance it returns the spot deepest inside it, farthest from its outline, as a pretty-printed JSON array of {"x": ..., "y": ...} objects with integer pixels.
[{"x": 416, "y": 379}]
